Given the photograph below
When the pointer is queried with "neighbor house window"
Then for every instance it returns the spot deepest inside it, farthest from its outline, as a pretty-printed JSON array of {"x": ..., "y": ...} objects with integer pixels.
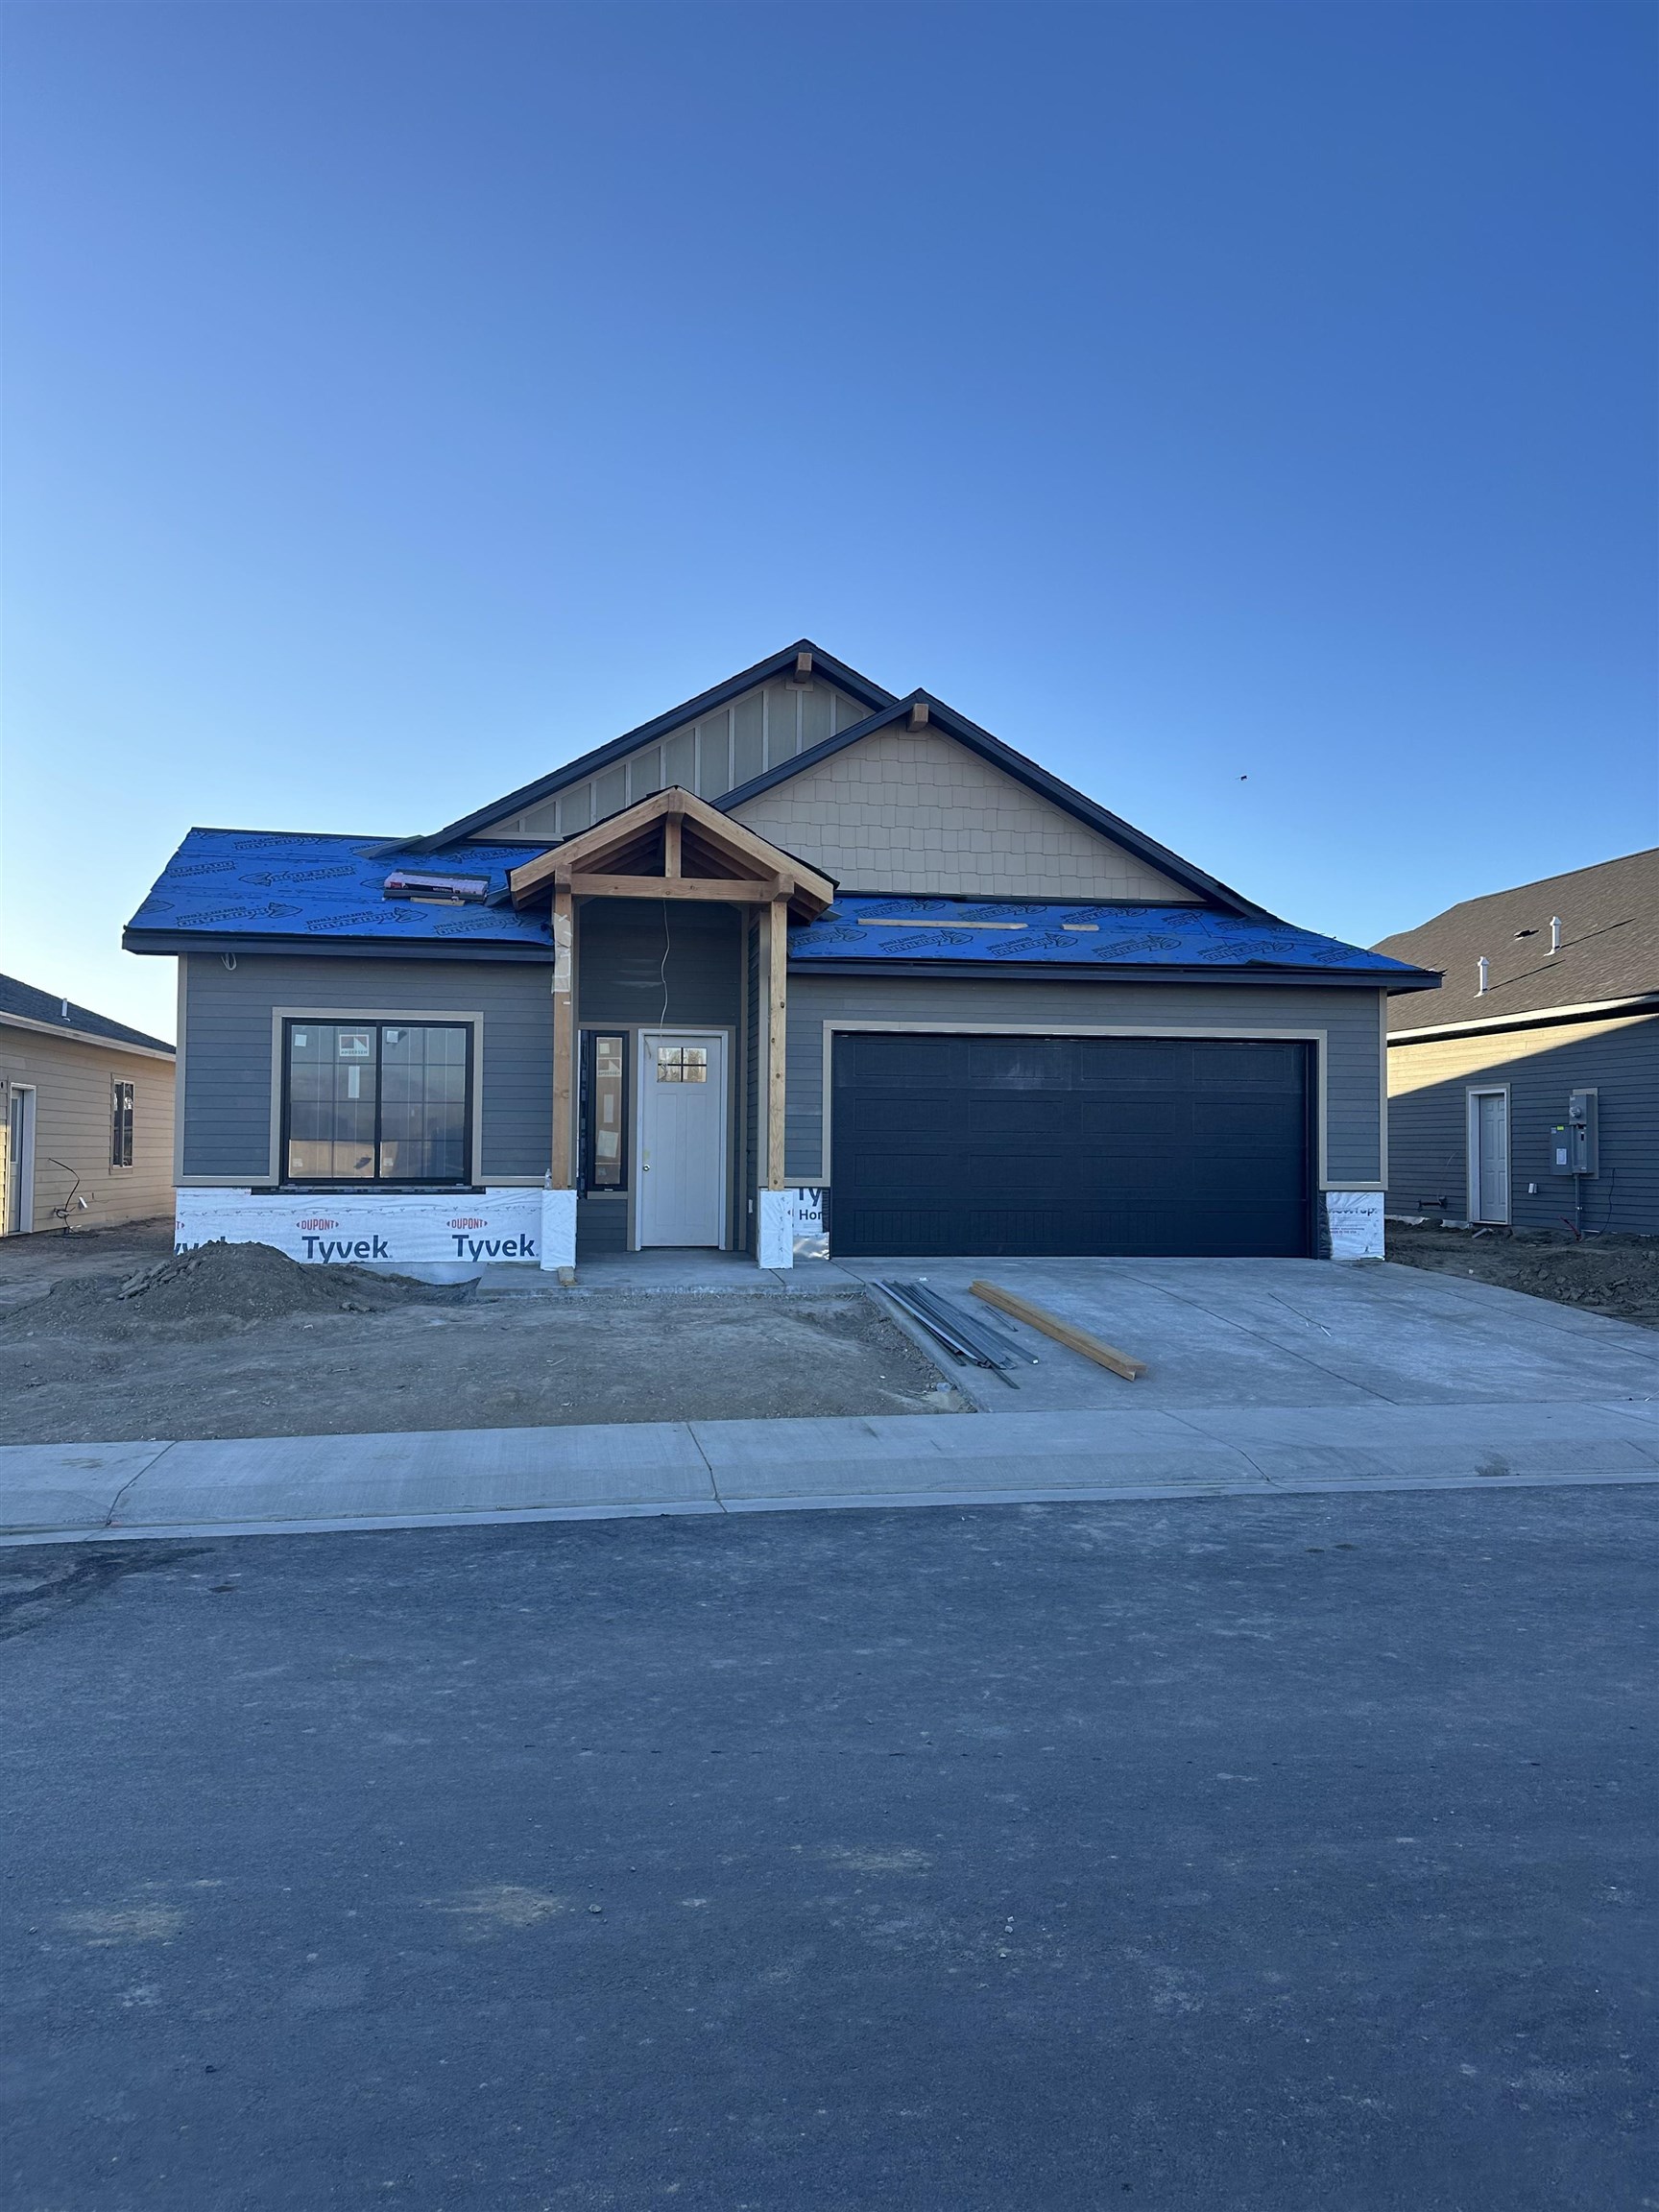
[
  {"x": 378, "y": 1102},
  {"x": 120, "y": 1124}
]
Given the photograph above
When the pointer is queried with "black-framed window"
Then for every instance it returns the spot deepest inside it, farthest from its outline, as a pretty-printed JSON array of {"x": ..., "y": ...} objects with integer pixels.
[
  {"x": 120, "y": 1123},
  {"x": 377, "y": 1101},
  {"x": 604, "y": 1110}
]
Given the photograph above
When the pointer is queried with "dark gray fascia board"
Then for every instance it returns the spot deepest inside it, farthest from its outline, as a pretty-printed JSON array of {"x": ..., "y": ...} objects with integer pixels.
[
  {"x": 1024, "y": 771},
  {"x": 177, "y": 941},
  {"x": 838, "y": 671},
  {"x": 1036, "y": 971}
]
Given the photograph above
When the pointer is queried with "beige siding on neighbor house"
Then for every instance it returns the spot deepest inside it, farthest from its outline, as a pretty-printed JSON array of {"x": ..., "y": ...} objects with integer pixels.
[
  {"x": 73, "y": 1084},
  {"x": 913, "y": 810}
]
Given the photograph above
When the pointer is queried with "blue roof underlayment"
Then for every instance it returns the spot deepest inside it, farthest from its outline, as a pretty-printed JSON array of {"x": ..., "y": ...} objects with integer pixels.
[
  {"x": 1076, "y": 935},
  {"x": 271, "y": 883},
  {"x": 247, "y": 884}
]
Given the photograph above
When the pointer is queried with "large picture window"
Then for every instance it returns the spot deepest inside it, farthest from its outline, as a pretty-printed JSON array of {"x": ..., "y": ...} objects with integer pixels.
[{"x": 377, "y": 1101}]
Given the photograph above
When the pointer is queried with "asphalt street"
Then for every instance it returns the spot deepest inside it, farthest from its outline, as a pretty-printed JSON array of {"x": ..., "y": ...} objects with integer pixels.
[{"x": 1247, "y": 1852}]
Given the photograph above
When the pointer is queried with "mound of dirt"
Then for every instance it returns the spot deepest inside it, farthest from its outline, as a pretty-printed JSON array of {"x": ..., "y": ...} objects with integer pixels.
[
  {"x": 218, "y": 1285},
  {"x": 1618, "y": 1276}
]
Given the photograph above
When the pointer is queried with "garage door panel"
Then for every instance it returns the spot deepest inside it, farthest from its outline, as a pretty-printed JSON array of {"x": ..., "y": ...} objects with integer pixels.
[{"x": 997, "y": 1145}]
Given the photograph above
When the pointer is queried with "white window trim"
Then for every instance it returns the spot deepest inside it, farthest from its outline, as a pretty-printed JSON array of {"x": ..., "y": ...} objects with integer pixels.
[{"x": 123, "y": 1166}]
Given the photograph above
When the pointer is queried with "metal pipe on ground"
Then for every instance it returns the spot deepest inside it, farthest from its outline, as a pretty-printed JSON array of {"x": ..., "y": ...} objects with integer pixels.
[{"x": 963, "y": 1336}]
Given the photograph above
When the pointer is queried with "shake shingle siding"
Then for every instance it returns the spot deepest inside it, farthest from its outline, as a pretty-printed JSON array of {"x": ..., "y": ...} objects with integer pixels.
[
  {"x": 910, "y": 810},
  {"x": 1428, "y": 1118},
  {"x": 226, "y": 1089},
  {"x": 1348, "y": 1020}
]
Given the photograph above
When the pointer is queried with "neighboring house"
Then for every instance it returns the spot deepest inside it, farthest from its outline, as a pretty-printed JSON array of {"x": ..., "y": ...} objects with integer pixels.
[
  {"x": 86, "y": 1116},
  {"x": 1539, "y": 1057},
  {"x": 794, "y": 947}
]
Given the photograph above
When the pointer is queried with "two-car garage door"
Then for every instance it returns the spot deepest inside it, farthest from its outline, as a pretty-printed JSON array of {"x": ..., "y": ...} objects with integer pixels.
[{"x": 1142, "y": 1145}]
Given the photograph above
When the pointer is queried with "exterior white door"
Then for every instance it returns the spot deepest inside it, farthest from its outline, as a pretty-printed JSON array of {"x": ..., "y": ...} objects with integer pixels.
[
  {"x": 17, "y": 1192},
  {"x": 681, "y": 1137},
  {"x": 1489, "y": 1156}
]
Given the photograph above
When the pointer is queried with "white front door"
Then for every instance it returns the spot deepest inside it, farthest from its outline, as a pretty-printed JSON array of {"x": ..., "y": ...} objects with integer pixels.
[
  {"x": 681, "y": 1137},
  {"x": 1489, "y": 1156}
]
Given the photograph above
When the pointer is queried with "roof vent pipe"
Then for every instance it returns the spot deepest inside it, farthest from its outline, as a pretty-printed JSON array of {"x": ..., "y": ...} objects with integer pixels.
[
  {"x": 1485, "y": 970},
  {"x": 63, "y": 1005},
  {"x": 1554, "y": 932}
]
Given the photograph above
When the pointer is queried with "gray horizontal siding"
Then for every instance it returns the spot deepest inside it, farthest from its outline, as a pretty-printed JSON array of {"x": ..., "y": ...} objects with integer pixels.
[
  {"x": 646, "y": 960},
  {"x": 601, "y": 1227},
  {"x": 226, "y": 1101},
  {"x": 1353, "y": 1074},
  {"x": 1428, "y": 1129}
]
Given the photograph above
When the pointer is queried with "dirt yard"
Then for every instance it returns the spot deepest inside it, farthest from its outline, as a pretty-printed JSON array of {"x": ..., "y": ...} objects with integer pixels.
[
  {"x": 1618, "y": 1276},
  {"x": 105, "y": 1338}
]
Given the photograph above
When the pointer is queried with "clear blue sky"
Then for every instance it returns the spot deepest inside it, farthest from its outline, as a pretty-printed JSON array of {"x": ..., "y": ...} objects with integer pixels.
[{"x": 401, "y": 399}]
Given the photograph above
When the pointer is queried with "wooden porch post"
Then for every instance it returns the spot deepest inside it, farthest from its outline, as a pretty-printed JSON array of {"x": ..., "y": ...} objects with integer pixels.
[
  {"x": 563, "y": 1039},
  {"x": 778, "y": 981}
]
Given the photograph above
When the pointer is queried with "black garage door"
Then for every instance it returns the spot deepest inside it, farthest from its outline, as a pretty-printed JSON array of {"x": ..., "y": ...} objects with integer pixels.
[{"x": 1069, "y": 1144}]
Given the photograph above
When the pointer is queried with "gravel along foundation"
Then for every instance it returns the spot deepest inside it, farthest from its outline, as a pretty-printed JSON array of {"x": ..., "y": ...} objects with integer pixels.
[
  {"x": 1618, "y": 1276},
  {"x": 238, "y": 1340}
]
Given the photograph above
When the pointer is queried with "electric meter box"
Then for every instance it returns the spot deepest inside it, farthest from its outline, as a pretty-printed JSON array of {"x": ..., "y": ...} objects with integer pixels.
[{"x": 1573, "y": 1144}]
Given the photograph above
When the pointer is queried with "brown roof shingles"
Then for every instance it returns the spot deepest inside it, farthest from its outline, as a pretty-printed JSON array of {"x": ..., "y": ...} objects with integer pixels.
[{"x": 1609, "y": 946}]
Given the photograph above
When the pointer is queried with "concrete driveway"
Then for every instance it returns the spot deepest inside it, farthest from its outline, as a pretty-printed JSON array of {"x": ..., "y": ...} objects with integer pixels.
[
  {"x": 1263, "y": 1376},
  {"x": 1288, "y": 1333}
]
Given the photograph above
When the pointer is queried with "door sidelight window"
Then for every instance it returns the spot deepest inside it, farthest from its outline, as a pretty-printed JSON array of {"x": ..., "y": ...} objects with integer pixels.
[{"x": 604, "y": 1110}]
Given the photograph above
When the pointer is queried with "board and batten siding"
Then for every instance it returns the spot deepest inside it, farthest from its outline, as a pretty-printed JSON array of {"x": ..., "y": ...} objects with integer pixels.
[
  {"x": 1428, "y": 1086},
  {"x": 913, "y": 811},
  {"x": 729, "y": 745},
  {"x": 74, "y": 1101},
  {"x": 227, "y": 1085},
  {"x": 1351, "y": 1069}
]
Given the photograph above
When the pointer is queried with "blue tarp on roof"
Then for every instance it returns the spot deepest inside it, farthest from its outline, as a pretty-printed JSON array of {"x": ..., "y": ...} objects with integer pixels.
[
  {"x": 1078, "y": 935},
  {"x": 271, "y": 883}
]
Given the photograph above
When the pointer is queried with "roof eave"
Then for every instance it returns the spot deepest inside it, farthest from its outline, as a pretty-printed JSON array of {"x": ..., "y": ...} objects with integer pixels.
[
  {"x": 1069, "y": 971},
  {"x": 148, "y": 1047},
  {"x": 176, "y": 942}
]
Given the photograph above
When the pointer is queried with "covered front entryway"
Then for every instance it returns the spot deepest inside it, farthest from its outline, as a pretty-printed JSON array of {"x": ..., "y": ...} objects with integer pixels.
[
  {"x": 1166, "y": 1146},
  {"x": 670, "y": 994}
]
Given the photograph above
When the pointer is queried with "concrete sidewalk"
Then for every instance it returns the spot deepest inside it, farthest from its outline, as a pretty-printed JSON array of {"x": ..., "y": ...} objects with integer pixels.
[{"x": 61, "y": 1492}]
